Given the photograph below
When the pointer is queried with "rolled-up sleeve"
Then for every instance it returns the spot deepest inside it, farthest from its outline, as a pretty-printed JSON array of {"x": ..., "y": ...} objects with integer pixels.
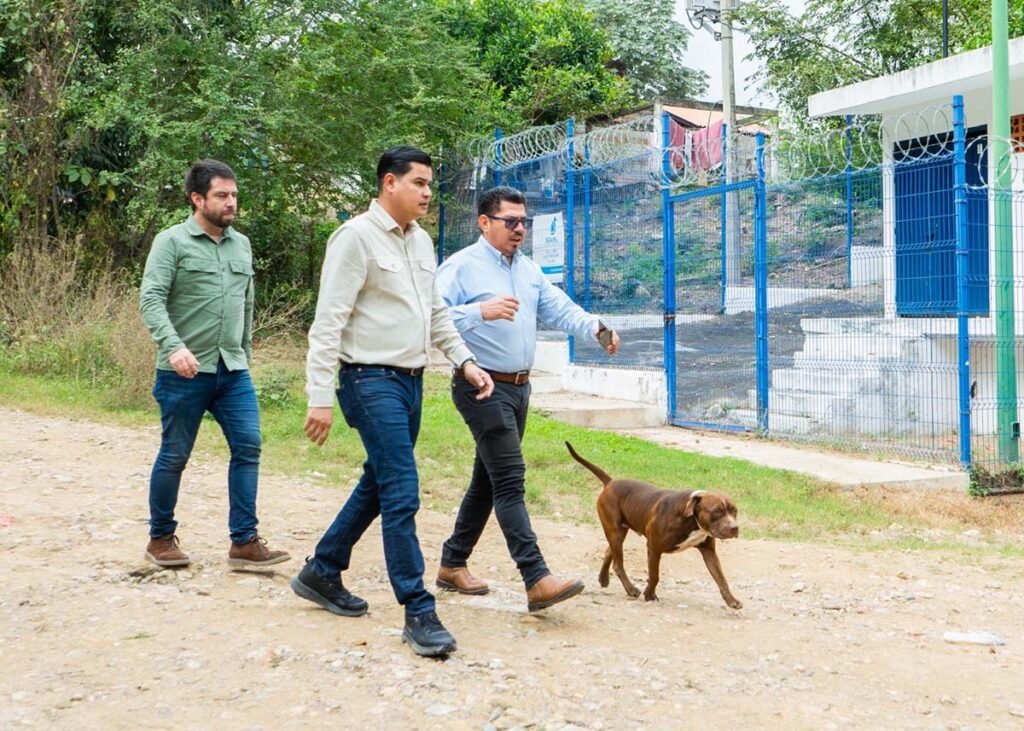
[{"x": 558, "y": 311}]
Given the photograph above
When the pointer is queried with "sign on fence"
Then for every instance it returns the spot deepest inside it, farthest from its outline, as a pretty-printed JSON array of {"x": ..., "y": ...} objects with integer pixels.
[{"x": 549, "y": 245}]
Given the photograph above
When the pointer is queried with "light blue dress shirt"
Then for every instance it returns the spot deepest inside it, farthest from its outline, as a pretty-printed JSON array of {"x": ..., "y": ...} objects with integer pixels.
[{"x": 478, "y": 273}]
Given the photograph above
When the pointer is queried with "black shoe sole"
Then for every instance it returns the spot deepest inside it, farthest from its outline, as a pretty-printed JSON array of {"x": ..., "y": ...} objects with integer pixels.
[
  {"x": 448, "y": 586},
  {"x": 310, "y": 594},
  {"x": 569, "y": 593},
  {"x": 428, "y": 650}
]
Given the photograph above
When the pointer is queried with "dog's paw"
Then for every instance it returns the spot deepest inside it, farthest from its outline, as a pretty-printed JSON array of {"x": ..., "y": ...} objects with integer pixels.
[
  {"x": 734, "y": 603},
  {"x": 633, "y": 592},
  {"x": 650, "y": 597},
  {"x": 603, "y": 581}
]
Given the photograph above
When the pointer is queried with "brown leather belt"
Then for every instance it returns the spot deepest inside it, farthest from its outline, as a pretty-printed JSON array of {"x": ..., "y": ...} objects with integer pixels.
[
  {"x": 520, "y": 378},
  {"x": 414, "y": 372}
]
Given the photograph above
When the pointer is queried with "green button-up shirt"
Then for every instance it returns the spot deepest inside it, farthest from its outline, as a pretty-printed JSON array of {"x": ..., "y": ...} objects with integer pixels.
[{"x": 198, "y": 294}]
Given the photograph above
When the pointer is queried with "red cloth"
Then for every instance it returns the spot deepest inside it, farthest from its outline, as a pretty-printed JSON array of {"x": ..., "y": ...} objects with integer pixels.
[{"x": 706, "y": 147}]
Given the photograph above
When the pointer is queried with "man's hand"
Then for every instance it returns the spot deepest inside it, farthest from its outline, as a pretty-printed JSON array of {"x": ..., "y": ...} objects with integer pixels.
[
  {"x": 318, "y": 423},
  {"x": 609, "y": 339},
  {"x": 502, "y": 307},
  {"x": 184, "y": 363},
  {"x": 479, "y": 378}
]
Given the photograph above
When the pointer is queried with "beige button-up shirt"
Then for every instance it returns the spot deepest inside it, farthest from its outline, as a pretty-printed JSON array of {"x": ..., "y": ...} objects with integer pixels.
[{"x": 377, "y": 303}]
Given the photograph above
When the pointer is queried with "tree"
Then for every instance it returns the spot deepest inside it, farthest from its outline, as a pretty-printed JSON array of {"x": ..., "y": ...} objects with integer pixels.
[
  {"x": 838, "y": 42},
  {"x": 548, "y": 58},
  {"x": 649, "y": 46}
]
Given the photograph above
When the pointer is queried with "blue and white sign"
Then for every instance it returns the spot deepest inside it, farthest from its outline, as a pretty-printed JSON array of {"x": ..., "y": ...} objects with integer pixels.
[{"x": 549, "y": 245}]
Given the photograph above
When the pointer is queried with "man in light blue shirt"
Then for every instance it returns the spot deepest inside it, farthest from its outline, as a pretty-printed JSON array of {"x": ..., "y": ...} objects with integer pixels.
[{"x": 496, "y": 296}]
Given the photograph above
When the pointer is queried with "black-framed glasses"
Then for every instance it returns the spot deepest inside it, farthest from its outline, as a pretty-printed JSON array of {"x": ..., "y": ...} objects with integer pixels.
[{"x": 511, "y": 222}]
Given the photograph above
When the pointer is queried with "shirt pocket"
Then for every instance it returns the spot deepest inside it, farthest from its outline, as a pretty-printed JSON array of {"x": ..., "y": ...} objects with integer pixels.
[
  {"x": 198, "y": 277},
  {"x": 241, "y": 276},
  {"x": 425, "y": 271},
  {"x": 390, "y": 265}
]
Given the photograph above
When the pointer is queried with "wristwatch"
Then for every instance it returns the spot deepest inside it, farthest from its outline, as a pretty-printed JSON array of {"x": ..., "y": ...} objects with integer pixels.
[{"x": 470, "y": 359}]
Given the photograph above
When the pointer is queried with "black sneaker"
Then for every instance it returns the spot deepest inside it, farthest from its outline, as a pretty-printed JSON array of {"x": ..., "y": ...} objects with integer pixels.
[
  {"x": 330, "y": 595},
  {"x": 427, "y": 635}
]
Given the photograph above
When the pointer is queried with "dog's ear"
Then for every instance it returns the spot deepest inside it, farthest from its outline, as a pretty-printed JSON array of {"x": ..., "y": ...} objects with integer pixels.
[{"x": 691, "y": 504}]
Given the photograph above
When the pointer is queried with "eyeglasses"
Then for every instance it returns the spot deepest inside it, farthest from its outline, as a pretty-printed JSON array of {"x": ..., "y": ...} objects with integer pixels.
[{"x": 511, "y": 223}]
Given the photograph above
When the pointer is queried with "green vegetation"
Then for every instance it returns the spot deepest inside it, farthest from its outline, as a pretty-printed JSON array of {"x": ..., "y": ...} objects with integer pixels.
[
  {"x": 833, "y": 43},
  {"x": 774, "y": 504}
]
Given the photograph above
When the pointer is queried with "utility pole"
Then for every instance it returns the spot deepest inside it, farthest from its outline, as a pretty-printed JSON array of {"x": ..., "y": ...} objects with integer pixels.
[
  {"x": 701, "y": 12},
  {"x": 730, "y": 160}
]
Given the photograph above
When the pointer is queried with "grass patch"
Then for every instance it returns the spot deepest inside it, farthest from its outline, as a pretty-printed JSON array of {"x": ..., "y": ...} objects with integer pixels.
[{"x": 774, "y": 504}]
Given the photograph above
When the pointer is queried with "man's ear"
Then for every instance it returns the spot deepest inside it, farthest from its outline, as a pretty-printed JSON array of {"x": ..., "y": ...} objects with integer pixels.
[{"x": 483, "y": 222}]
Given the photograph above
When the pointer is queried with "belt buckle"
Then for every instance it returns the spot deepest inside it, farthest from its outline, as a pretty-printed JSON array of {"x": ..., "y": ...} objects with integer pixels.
[
  {"x": 525, "y": 375},
  {"x": 416, "y": 372}
]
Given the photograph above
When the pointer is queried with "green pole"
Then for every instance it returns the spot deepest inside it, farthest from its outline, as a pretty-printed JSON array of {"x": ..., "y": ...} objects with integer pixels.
[{"x": 1006, "y": 369}]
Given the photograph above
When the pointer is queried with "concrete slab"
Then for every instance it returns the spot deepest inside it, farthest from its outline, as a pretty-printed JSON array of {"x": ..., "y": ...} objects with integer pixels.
[
  {"x": 844, "y": 470},
  {"x": 593, "y": 412}
]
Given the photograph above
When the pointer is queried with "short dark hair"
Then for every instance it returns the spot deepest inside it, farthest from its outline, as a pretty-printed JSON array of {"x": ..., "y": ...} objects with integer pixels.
[
  {"x": 492, "y": 198},
  {"x": 198, "y": 179},
  {"x": 398, "y": 160}
]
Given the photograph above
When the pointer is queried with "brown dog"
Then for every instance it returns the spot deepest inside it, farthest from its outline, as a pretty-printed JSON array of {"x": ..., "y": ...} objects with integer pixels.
[{"x": 671, "y": 520}]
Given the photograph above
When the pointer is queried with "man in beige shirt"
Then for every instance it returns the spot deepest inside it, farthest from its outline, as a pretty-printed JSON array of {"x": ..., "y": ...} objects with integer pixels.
[{"x": 378, "y": 315}]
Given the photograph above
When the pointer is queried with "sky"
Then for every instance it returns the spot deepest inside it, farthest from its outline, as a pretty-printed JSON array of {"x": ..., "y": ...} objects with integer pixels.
[{"x": 705, "y": 53}]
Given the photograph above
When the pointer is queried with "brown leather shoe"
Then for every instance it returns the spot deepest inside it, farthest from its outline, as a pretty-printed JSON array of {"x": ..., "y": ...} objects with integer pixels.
[
  {"x": 459, "y": 579},
  {"x": 254, "y": 554},
  {"x": 549, "y": 591},
  {"x": 164, "y": 551}
]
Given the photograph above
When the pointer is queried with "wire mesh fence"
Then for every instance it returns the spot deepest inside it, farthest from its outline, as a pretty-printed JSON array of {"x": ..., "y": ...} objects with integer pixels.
[{"x": 858, "y": 288}]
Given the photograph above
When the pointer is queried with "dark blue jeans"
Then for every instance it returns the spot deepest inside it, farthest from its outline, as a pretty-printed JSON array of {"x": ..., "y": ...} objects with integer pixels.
[
  {"x": 384, "y": 406},
  {"x": 231, "y": 398},
  {"x": 499, "y": 478}
]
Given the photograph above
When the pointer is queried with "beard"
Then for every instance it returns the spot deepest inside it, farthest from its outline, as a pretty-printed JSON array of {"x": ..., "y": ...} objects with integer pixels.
[{"x": 220, "y": 220}]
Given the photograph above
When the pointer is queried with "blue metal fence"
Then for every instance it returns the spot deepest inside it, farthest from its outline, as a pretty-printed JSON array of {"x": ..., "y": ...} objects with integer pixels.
[{"x": 835, "y": 288}]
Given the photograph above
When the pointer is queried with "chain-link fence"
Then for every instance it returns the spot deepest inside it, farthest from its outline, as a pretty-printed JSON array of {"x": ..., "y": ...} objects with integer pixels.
[{"x": 857, "y": 288}]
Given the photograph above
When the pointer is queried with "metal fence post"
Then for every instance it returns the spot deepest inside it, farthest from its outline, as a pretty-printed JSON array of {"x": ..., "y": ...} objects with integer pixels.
[
  {"x": 586, "y": 226},
  {"x": 761, "y": 287},
  {"x": 724, "y": 218},
  {"x": 963, "y": 338},
  {"x": 668, "y": 255},
  {"x": 849, "y": 202},
  {"x": 441, "y": 189},
  {"x": 570, "y": 221},
  {"x": 497, "y": 156}
]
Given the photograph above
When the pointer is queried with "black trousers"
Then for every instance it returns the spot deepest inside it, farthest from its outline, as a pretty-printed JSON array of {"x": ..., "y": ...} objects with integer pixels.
[{"x": 499, "y": 478}]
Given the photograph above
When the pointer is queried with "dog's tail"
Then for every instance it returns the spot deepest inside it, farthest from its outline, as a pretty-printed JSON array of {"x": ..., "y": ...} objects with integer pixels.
[{"x": 601, "y": 474}]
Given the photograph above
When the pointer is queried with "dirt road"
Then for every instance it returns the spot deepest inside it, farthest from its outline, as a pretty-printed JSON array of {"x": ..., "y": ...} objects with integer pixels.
[{"x": 94, "y": 637}]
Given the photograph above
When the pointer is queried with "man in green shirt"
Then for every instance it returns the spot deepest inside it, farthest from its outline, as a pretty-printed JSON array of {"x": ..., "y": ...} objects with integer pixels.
[{"x": 196, "y": 300}]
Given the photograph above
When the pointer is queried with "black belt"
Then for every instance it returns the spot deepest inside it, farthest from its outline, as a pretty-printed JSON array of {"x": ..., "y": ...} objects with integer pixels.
[
  {"x": 519, "y": 378},
  {"x": 414, "y": 372}
]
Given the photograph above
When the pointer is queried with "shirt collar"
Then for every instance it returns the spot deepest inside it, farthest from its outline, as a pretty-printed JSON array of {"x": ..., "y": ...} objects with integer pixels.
[
  {"x": 383, "y": 219},
  {"x": 194, "y": 229},
  {"x": 494, "y": 254}
]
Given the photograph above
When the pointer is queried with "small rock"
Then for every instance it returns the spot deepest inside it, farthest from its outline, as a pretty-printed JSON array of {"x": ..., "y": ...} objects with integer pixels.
[
  {"x": 798, "y": 587},
  {"x": 441, "y": 709},
  {"x": 973, "y": 638}
]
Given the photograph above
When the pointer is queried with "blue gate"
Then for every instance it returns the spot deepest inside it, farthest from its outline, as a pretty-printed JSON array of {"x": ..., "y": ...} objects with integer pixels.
[{"x": 926, "y": 284}]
